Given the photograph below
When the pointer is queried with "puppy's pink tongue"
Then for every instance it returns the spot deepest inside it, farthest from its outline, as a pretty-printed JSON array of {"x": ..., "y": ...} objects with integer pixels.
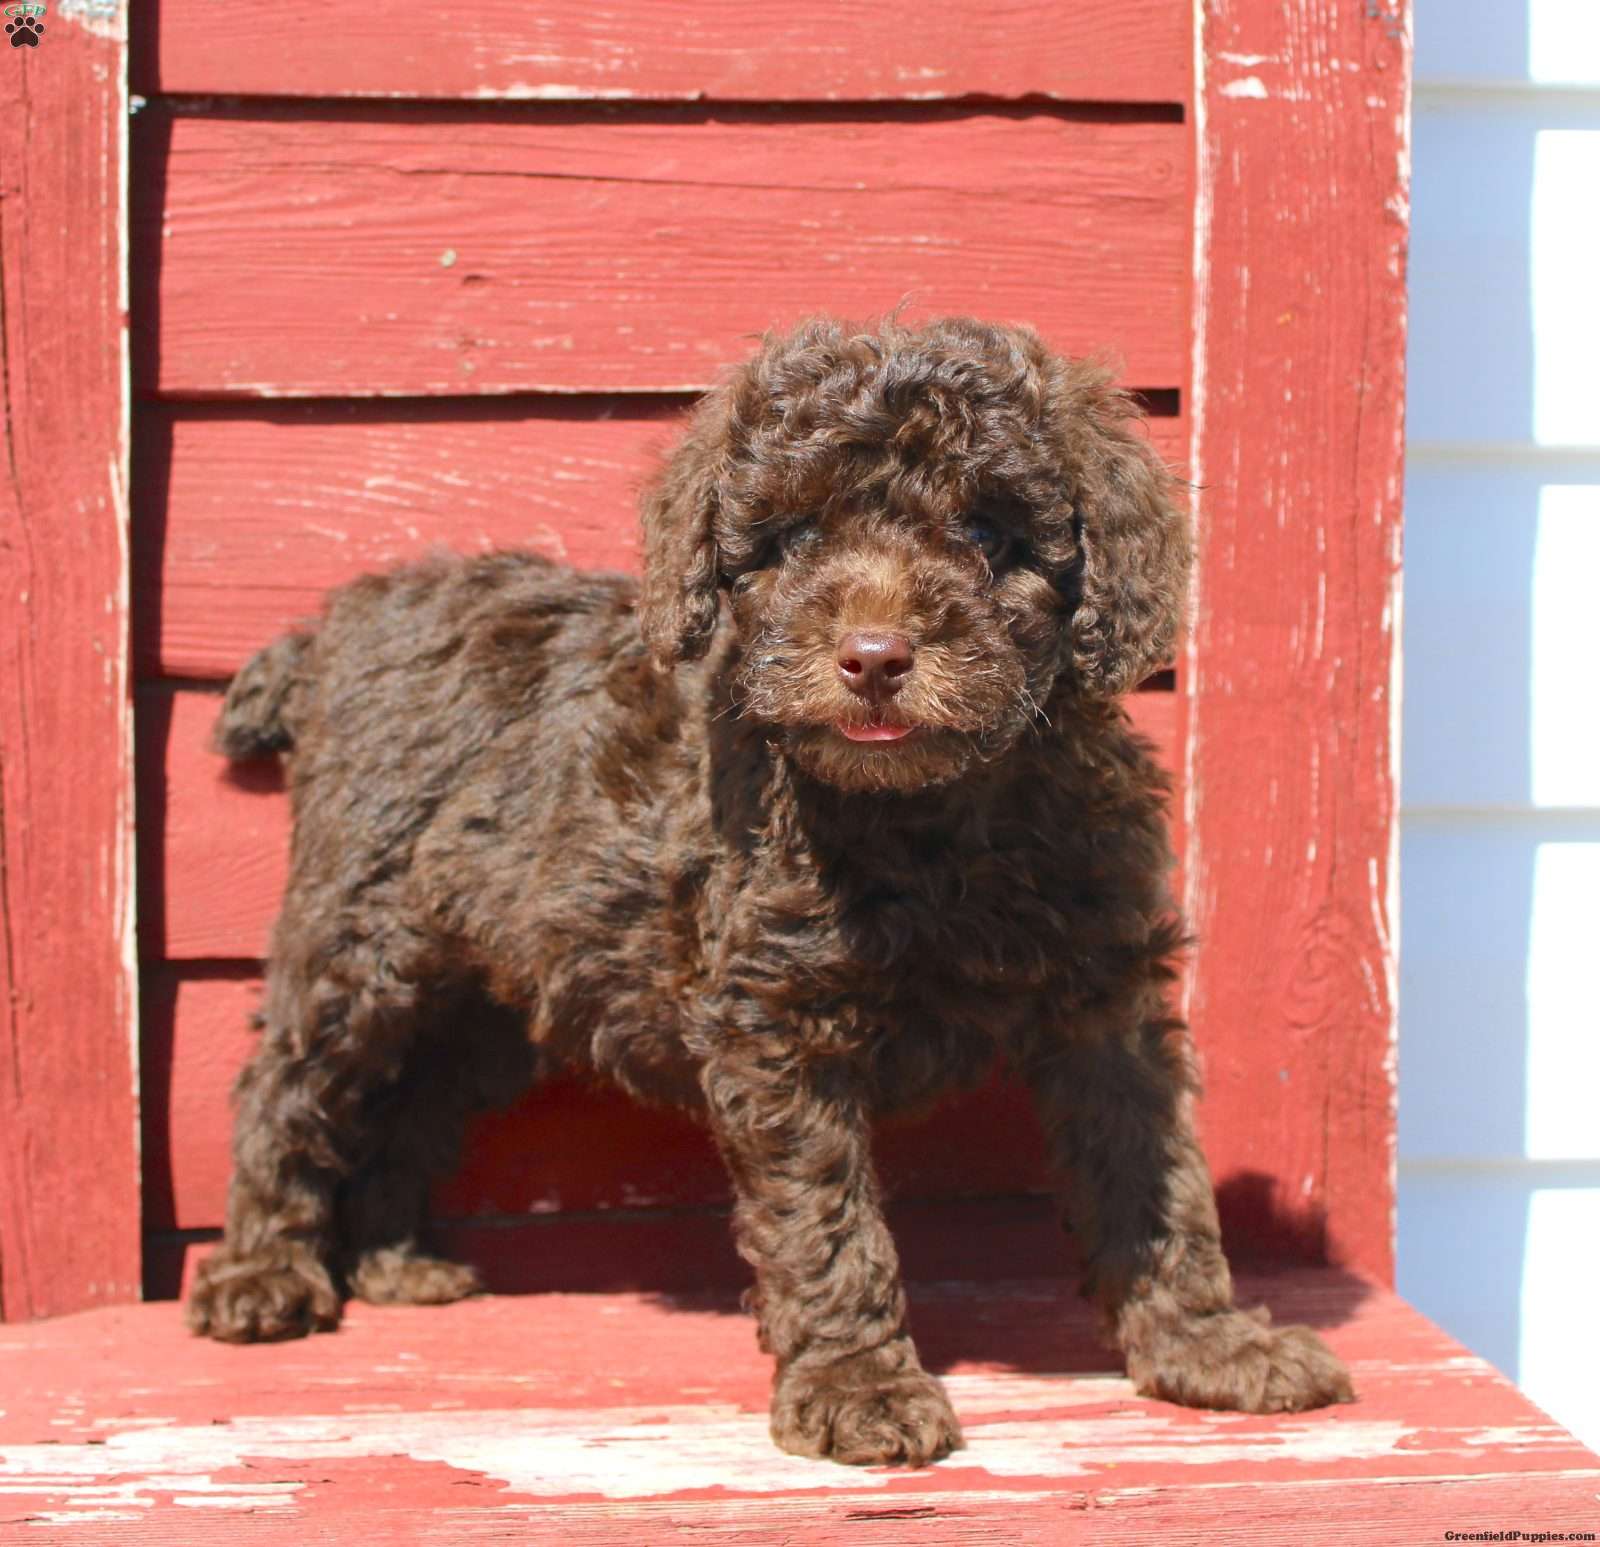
[{"x": 876, "y": 732}]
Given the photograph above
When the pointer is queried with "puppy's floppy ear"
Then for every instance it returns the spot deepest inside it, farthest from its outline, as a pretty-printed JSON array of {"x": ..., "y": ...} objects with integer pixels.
[
  {"x": 1135, "y": 554},
  {"x": 678, "y": 600}
]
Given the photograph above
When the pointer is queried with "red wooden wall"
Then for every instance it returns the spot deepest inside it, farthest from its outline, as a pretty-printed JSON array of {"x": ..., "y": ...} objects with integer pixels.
[{"x": 392, "y": 289}]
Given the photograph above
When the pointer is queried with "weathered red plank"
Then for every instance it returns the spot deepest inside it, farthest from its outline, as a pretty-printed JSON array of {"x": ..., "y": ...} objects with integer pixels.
[
  {"x": 1383, "y": 1510},
  {"x": 762, "y": 50},
  {"x": 1291, "y": 671},
  {"x": 242, "y": 523},
  {"x": 424, "y": 254},
  {"x": 568, "y": 1146},
  {"x": 214, "y": 841},
  {"x": 626, "y": 1418},
  {"x": 69, "y": 1206}
]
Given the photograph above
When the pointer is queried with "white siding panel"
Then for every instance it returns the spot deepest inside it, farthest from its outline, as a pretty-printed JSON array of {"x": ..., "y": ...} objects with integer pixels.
[
  {"x": 1566, "y": 321},
  {"x": 1559, "y": 1345},
  {"x": 1470, "y": 358},
  {"x": 1466, "y": 896},
  {"x": 1563, "y": 1064},
  {"x": 1564, "y": 725},
  {"x": 1500, "y": 1030},
  {"x": 1500, "y": 695},
  {"x": 1468, "y": 634},
  {"x": 1493, "y": 42},
  {"x": 1563, "y": 41},
  {"x": 1471, "y": 40},
  {"x": 1473, "y": 270},
  {"x": 1461, "y": 1257},
  {"x": 1499, "y": 1208}
]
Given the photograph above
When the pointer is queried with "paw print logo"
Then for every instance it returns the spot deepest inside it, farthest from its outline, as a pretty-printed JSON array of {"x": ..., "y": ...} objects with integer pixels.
[{"x": 27, "y": 31}]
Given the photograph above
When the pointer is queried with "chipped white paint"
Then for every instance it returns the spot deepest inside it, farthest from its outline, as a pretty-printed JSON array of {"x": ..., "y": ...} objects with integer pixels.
[
  {"x": 78, "y": 1516},
  {"x": 1199, "y": 292},
  {"x": 551, "y": 91},
  {"x": 1022, "y": 1427},
  {"x": 1245, "y": 86},
  {"x": 124, "y": 840},
  {"x": 1513, "y": 1436},
  {"x": 103, "y": 18},
  {"x": 1385, "y": 892},
  {"x": 1467, "y": 1367}
]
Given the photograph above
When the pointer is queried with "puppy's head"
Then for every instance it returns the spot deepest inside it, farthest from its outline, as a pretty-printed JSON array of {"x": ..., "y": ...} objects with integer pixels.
[{"x": 925, "y": 535}]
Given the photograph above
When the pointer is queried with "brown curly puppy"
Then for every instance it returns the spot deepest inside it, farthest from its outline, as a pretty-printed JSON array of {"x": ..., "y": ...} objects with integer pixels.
[{"x": 834, "y": 810}]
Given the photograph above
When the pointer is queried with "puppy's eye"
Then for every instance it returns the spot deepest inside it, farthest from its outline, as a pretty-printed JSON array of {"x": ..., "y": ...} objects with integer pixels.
[
  {"x": 775, "y": 549},
  {"x": 995, "y": 544}
]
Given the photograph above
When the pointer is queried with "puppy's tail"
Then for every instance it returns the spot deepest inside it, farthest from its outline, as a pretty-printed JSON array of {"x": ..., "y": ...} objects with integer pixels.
[{"x": 258, "y": 714}]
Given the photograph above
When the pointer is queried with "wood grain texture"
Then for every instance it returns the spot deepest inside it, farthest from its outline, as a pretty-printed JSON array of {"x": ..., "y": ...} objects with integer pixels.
[
  {"x": 642, "y": 1418},
  {"x": 243, "y": 518},
  {"x": 761, "y": 50},
  {"x": 556, "y": 250},
  {"x": 1291, "y": 675},
  {"x": 214, "y": 840},
  {"x": 69, "y": 1168},
  {"x": 1311, "y": 1513}
]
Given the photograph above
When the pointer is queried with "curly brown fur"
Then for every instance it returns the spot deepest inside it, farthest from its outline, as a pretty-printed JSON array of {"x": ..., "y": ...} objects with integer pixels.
[{"x": 831, "y": 812}]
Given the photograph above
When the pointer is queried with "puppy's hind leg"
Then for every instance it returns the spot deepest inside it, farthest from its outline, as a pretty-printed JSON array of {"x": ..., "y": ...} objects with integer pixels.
[
  {"x": 473, "y": 1055},
  {"x": 340, "y": 1016}
]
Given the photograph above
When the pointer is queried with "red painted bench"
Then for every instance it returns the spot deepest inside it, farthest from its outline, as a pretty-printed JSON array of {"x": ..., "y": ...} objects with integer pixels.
[{"x": 627, "y": 1418}]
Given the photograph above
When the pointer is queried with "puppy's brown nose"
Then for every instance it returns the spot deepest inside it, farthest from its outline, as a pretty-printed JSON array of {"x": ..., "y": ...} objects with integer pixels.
[{"x": 874, "y": 662}]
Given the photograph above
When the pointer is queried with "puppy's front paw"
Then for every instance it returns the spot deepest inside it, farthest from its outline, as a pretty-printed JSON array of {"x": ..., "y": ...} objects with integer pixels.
[
  {"x": 1236, "y": 1360},
  {"x": 263, "y": 1298},
  {"x": 868, "y": 1410}
]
